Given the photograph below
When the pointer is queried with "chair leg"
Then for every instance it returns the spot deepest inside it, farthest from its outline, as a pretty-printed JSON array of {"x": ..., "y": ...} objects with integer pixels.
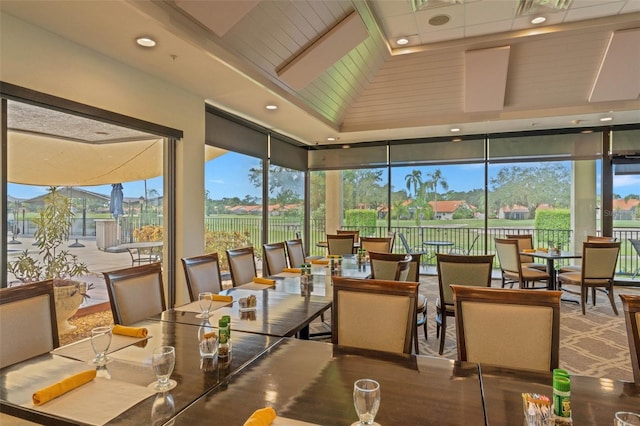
[
  {"x": 583, "y": 297},
  {"x": 593, "y": 295},
  {"x": 443, "y": 332},
  {"x": 613, "y": 302},
  {"x": 415, "y": 341},
  {"x": 424, "y": 326}
]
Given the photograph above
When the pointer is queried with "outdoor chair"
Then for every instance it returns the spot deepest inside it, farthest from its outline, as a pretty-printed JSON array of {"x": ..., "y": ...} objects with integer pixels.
[
  {"x": 525, "y": 242},
  {"x": 511, "y": 267},
  {"x": 135, "y": 293},
  {"x": 379, "y": 244},
  {"x": 27, "y": 322},
  {"x": 517, "y": 329},
  {"x": 242, "y": 265},
  {"x": 340, "y": 244},
  {"x": 472, "y": 271},
  {"x": 275, "y": 258},
  {"x": 598, "y": 268},
  {"x": 374, "y": 314},
  {"x": 424, "y": 255},
  {"x": 202, "y": 274},
  {"x": 631, "y": 307},
  {"x": 636, "y": 247},
  {"x": 465, "y": 251}
]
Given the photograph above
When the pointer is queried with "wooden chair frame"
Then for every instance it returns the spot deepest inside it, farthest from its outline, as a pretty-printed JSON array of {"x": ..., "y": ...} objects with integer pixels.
[
  {"x": 445, "y": 309},
  {"x": 367, "y": 243},
  {"x": 191, "y": 262},
  {"x": 384, "y": 287},
  {"x": 113, "y": 277},
  {"x": 549, "y": 299},
  {"x": 631, "y": 307},
  {"x": 266, "y": 248},
  {"x": 525, "y": 241},
  {"x": 516, "y": 273},
  {"x": 355, "y": 233},
  {"x": 340, "y": 237},
  {"x": 232, "y": 253}
]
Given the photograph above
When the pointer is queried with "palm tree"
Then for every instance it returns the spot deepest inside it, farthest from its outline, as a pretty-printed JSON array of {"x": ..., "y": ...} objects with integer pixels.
[
  {"x": 398, "y": 209},
  {"x": 414, "y": 179},
  {"x": 436, "y": 177}
]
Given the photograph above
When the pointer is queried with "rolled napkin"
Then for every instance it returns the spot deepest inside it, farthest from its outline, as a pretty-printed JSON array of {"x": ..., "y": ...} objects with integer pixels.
[
  {"x": 335, "y": 256},
  {"x": 221, "y": 298},
  {"x": 296, "y": 270},
  {"x": 63, "y": 386},
  {"x": 319, "y": 261},
  {"x": 268, "y": 281},
  {"x": 322, "y": 242},
  {"x": 261, "y": 417},
  {"x": 123, "y": 330},
  {"x": 529, "y": 250}
]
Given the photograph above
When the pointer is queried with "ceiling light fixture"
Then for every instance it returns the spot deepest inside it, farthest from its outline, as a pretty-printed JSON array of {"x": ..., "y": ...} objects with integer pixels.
[
  {"x": 330, "y": 139},
  {"x": 146, "y": 41},
  {"x": 271, "y": 107},
  {"x": 455, "y": 129},
  {"x": 402, "y": 41},
  {"x": 456, "y": 140},
  {"x": 538, "y": 20},
  {"x": 606, "y": 118},
  {"x": 345, "y": 146}
]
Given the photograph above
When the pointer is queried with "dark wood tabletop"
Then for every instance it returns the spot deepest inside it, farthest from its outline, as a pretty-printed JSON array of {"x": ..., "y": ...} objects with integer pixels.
[
  {"x": 594, "y": 401},
  {"x": 312, "y": 381},
  {"x": 276, "y": 314},
  {"x": 133, "y": 365}
]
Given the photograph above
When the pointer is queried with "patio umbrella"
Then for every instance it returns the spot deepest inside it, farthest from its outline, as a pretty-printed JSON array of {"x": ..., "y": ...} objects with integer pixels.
[{"x": 115, "y": 203}]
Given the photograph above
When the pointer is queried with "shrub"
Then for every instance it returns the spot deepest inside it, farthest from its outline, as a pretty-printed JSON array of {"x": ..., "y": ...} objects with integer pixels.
[
  {"x": 219, "y": 241},
  {"x": 558, "y": 219},
  {"x": 148, "y": 233},
  {"x": 364, "y": 220}
]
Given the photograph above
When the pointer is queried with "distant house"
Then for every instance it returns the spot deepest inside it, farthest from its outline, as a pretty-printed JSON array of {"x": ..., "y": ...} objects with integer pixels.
[
  {"x": 514, "y": 212},
  {"x": 625, "y": 209},
  {"x": 444, "y": 210}
]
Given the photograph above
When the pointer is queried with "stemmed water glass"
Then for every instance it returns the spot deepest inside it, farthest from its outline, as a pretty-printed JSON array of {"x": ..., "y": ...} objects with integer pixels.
[
  {"x": 366, "y": 400},
  {"x": 100, "y": 342},
  {"x": 206, "y": 300},
  {"x": 163, "y": 360}
]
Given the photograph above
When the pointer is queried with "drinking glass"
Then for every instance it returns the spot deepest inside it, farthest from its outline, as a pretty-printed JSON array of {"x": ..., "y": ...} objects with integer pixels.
[
  {"x": 623, "y": 418},
  {"x": 206, "y": 300},
  {"x": 163, "y": 408},
  {"x": 163, "y": 361},
  {"x": 366, "y": 400},
  {"x": 100, "y": 341}
]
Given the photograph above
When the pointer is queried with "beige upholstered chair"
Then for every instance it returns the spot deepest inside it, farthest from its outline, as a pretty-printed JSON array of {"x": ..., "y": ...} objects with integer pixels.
[
  {"x": 355, "y": 233},
  {"x": 135, "y": 293},
  {"x": 275, "y": 258},
  {"x": 374, "y": 314},
  {"x": 379, "y": 244},
  {"x": 202, "y": 274},
  {"x": 27, "y": 322},
  {"x": 392, "y": 236},
  {"x": 295, "y": 252},
  {"x": 512, "y": 270},
  {"x": 242, "y": 265},
  {"x": 525, "y": 242},
  {"x": 631, "y": 307},
  {"x": 590, "y": 239},
  {"x": 509, "y": 328},
  {"x": 340, "y": 244},
  {"x": 598, "y": 268},
  {"x": 461, "y": 270}
]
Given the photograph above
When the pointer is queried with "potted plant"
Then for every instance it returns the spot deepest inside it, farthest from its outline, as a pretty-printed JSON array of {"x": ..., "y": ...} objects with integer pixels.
[{"x": 53, "y": 225}]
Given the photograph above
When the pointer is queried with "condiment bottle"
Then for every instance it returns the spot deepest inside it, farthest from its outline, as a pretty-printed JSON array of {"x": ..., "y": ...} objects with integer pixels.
[
  {"x": 561, "y": 395},
  {"x": 223, "y": 338}
]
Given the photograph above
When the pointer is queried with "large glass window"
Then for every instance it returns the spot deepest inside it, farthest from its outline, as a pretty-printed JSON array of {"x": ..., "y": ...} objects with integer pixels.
[{"x": 286, "y": 203}]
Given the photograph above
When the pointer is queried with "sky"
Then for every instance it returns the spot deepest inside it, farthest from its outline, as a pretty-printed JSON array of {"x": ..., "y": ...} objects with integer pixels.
[{"x": 227, "y": 176}]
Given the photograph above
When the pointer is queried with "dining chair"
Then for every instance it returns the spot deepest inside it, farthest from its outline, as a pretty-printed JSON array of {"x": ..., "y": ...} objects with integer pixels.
[
  {"x": 389, "y": 266},
  {"x": 525, "y": 242},
  {"x": 27, "y": 322},
  {"x": 513, "y": 272},
  {"x": 242, "y": 265},
  {"x": 590, "y": 239},
  {"x": 374, "y": 314},
  {"x": 355, "y": 233},
  {"x": 509, "y": 328},
  {"x": 275, "y": 258},
  {"x": 202, "y": 274},
  {"x": 340, "y": 244},
  {"x": 598, "y": 268},
  {"x": 636, "y": 246},
  {"x": 135, "y": 293},
  {"x": 391, "y": 235},
  {"x": 474, "y": 271},
  {"x": 631, "y": 307},
  {"x": 379, "y": 244}
]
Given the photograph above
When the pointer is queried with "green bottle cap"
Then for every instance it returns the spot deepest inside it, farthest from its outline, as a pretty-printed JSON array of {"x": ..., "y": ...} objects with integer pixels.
[
  {"x": 562, "y": 384},
  {"x": 559, "y": 372}
]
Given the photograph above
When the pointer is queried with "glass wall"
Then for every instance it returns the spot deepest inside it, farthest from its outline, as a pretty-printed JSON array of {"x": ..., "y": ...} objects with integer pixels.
[{"x": 286, "y": 204}]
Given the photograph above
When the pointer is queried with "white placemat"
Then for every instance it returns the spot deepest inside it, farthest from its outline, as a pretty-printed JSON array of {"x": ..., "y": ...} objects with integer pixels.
[
  {"x": 283, "y": 421},
  {"x": 255, "y": 286},
  {"x": 82, "y": 350},
  {"x": 195, "y": 307},
  {"x": 95, "y": 403}
]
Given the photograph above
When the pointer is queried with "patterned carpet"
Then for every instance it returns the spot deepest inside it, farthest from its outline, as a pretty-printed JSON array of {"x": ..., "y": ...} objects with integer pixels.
[{"x": 594, "y": 344}]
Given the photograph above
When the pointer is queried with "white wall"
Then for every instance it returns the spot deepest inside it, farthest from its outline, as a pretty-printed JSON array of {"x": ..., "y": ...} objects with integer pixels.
[{"x": 42, "y": 61}]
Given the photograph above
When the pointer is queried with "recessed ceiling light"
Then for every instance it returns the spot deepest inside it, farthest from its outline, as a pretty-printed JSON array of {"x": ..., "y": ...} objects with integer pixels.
[
  {"x": 587, "y": 131},
  {"x": 438, "y": 20},
  {"x": 146, "y": 41},
  {"x": 402, "y": 41},
  {"x": 606, "y": 119},
  {"x": 345, "y": 146},
  {"x": 331, "y": 139},
  {"x": 271, "y": 107},
  {"x": 456, "y": 140},
  {"x": 455, "y": 129},
  {"x": 538, "y": 20}
]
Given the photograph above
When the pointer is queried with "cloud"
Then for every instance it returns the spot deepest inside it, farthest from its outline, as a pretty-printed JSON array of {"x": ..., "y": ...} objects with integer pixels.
[{"x": 216, "y": 181}]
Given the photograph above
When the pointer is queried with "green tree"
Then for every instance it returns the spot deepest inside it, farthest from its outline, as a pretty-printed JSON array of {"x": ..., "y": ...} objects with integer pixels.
[
  {"x": 436, "y": 178},
  {"x": 399, "y": 210}
]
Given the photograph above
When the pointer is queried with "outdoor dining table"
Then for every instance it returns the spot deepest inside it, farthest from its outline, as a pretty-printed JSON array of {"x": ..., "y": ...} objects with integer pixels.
[
  {"x": 437, "y": 244},
  {"x": 130, "y": 366}
]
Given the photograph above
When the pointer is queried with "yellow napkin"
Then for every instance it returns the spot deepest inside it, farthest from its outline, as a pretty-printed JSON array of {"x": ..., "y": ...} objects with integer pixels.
[
  {"x": 335, "y": 256},
  {"x": 542, "y": 249},
  {"x": 297, "y": 270},
  {"x": 261, "y": 417},
  {"x": 259, "y": 280},
  {"x": 63, "y": 386},
  {"x": 322, "y": 242},
  {"x": 221, "y": 298},
  {"x": 319, "y": 262},
  {"x": 529, "y": 250},
  {"x": 130, "y": 331}
]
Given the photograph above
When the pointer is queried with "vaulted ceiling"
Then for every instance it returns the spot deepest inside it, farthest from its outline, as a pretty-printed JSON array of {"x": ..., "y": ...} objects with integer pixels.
[{"x": 334, "y": 67}]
